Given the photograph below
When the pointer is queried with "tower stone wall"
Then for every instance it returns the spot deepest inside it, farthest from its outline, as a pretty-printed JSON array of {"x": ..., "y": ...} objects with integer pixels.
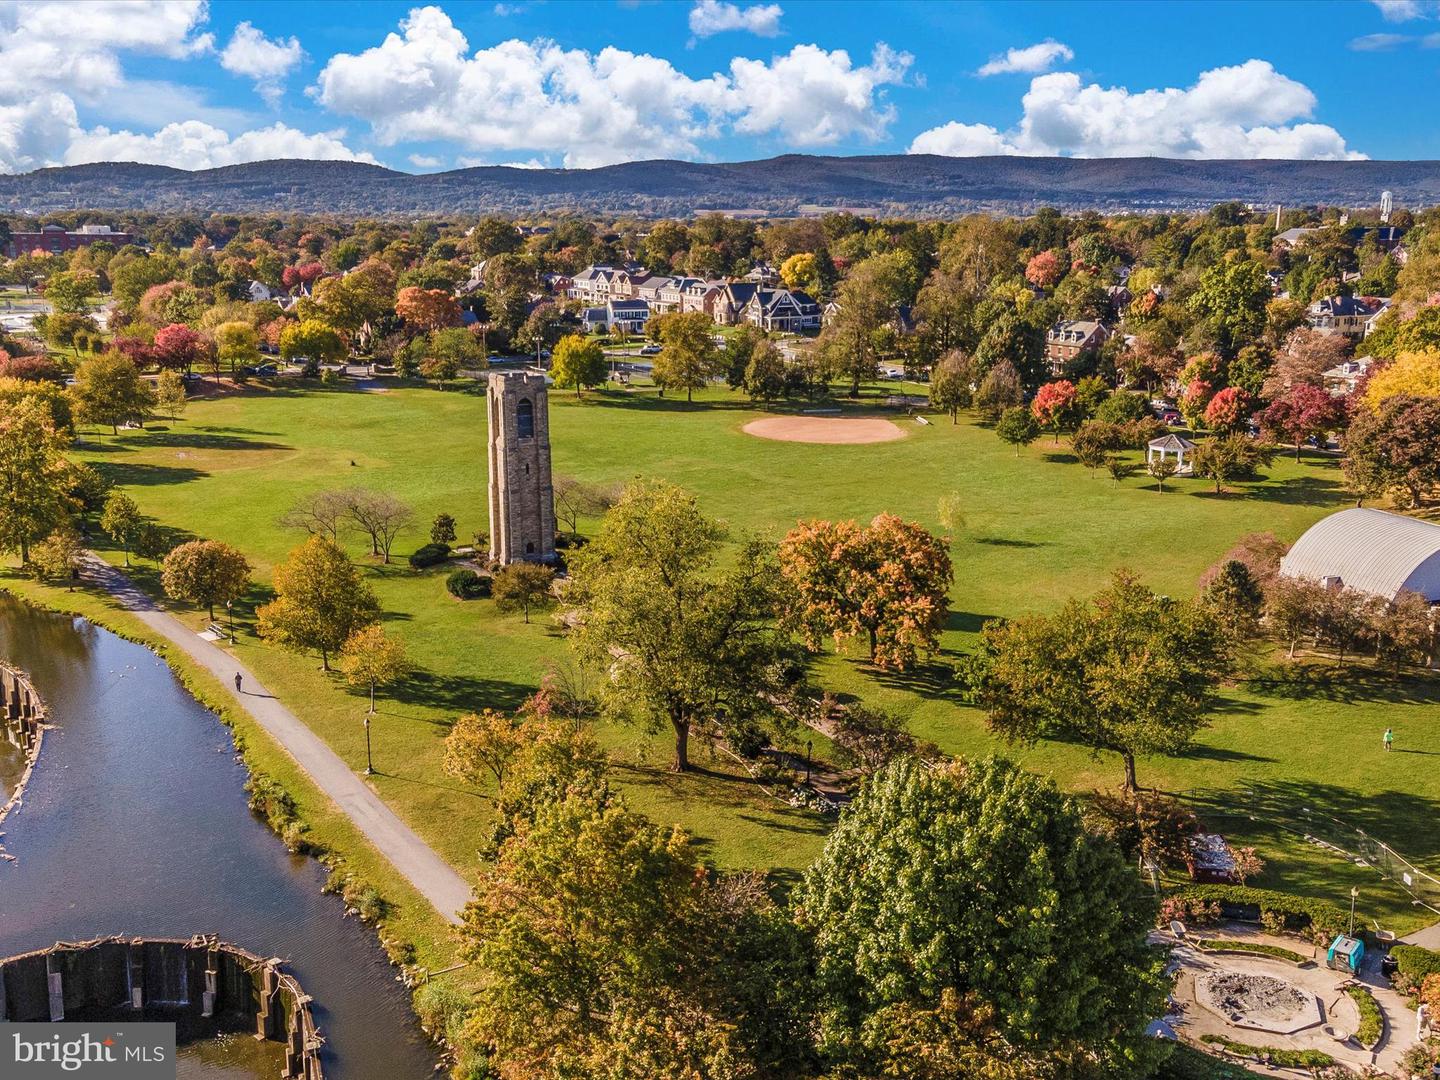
[{"x": 522, "y": 496}]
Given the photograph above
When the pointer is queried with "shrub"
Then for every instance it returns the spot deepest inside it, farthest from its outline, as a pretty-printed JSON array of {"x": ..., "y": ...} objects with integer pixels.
[
  {"x": 1414, "y": 965},
  {"x": 1301, "y": 914},
  {"x": 443, "y": 1009},
  {"x": 430, "y": 555},
  {"x": 271, "y": 801},
  {"x": 329, "y": 377},
  {"x": 1252, "y": 949},
  {"x": 1191, "y": 911},
  {"x": 1285, "y": 1059},
  {"x": 1372, "y": 1021},
  {"x": 467, "y": 585},
  {"x": 747, "y": 740}
]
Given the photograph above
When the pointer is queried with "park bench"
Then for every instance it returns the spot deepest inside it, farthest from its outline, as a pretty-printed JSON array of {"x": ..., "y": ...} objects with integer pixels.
[{"x": 218, "y": 630}]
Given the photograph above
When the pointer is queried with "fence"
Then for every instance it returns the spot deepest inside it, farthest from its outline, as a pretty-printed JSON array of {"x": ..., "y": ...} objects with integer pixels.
[{"x": 1342, "y": 839}]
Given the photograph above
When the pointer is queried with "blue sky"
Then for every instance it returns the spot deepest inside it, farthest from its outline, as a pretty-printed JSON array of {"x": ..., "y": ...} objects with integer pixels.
[{"x": 419, "y": 87}]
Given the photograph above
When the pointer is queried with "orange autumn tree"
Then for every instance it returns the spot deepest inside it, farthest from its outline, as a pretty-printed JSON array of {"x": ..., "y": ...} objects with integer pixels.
[
  {"x": 887, "y": 582},
  {"x": 427, "y": 309}
]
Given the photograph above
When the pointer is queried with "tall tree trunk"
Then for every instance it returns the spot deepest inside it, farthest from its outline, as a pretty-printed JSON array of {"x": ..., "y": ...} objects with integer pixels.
[
  {"x": 324, "y": 660},
  {"x": 682, "y": 745},
  {"x": 372, "y": 695},
  {"x": 1130, "y": 785}
]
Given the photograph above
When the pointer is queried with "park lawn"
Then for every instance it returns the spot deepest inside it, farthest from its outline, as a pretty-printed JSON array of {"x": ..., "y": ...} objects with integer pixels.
[{"x": 1038, "y": 529}]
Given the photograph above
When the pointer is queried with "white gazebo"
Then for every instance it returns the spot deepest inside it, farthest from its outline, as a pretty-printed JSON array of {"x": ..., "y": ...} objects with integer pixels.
[{"x": 1166, "y": 445}]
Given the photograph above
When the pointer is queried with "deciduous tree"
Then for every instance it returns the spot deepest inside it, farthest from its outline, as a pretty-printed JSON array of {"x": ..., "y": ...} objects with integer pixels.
[
  {"x": 182, "y": 348},
  {"x": 1128, "y": 672},
  {"x": 577, "y": 362},
  {"x": 121, "y": 519},
  {"x": 929, "y": 869},
  {"x": 205, "y": 572},
  {"x": 108, "y": 390},
  {"x": 688, "y": 358},
  {"x": 1301, "y": 412},
  {"x": 686, "y": 639},
  {"x": 1018, "y": 427},
  {"x": 522, "y": 586},
  {"x": 887, "y": 582},
  {"x": 32, "y": 474},
  {"x": 1392, "y": 449},
  {"x": 320, "y": 600},
  {"x": 372, "y": 658}
]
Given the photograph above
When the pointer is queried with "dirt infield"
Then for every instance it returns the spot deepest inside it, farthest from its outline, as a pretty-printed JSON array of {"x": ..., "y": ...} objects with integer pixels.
[{"x": 850, "y": 431}]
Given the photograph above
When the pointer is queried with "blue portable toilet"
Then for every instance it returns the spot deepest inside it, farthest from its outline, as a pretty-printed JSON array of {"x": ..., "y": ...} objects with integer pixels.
[{"x": 1345, "y": 954}]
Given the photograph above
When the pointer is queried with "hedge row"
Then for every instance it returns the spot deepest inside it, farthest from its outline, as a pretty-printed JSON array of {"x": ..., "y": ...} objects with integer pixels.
[
  {"x": 1372, "y": 1020},
  {"x": 1285, "y": 1059},
  {"x": 1415, "y": 962},
  {"x": 1249, "y": 905}
]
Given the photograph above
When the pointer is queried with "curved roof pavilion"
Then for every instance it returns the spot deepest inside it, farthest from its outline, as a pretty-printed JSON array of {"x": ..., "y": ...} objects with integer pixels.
[{"x": 1371, "y": 550}]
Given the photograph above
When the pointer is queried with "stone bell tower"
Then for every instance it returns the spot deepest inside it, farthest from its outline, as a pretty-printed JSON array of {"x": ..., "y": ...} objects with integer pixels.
[{"x": 522, "y": 499}]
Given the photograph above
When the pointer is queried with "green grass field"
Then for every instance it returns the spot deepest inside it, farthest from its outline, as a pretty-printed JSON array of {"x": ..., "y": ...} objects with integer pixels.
[{"x": 1038, "y": 529}]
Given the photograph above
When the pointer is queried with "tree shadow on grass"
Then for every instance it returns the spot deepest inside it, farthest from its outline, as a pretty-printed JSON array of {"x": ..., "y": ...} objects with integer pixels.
[
  {"x": 124, "y": 474},
  {"x": 1403, "y": 818},
  {"x": 194, "y": 440},
  {"x": 931, "y": 679},
  {"x": 457, "y": 693},
  {"x": 1297, "y": 491},
  {"x": 968, "y": 622},
  {"x": 651, "y": 403},
  {"x": 1354, "y": 683},
  {"x": 1007, "y": 542}
]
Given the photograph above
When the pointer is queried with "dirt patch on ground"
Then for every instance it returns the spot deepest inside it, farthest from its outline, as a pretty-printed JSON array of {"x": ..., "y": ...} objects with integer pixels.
[{"x": 850, "y": 431}]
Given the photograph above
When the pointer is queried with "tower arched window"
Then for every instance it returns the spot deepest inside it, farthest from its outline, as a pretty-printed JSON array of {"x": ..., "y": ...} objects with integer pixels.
[{"x": 525, "y": 419}]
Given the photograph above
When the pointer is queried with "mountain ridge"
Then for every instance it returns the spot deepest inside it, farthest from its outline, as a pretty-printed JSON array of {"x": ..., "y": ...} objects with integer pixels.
[{"x": 920, "y": 184}]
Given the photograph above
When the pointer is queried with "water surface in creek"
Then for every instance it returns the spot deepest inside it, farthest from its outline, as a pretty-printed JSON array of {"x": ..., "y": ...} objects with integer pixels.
[{"x": 135, "y": 822}]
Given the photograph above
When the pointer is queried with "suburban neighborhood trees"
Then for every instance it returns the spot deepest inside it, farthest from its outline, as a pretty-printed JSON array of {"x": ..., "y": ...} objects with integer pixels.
[
  {"x": 887, "y": 582},
  {"x": 1390, "y": 448},
  {"x": 312, "y": 341},
  {"x": 952, "y": 384},
  {"x": 686, "y": 638},
  {"x": 1301, "y": 412},
  {"x": 1128, "y": 672},
  {"x": 319, "y": 602},
  {"x": 205, "y": 572}
]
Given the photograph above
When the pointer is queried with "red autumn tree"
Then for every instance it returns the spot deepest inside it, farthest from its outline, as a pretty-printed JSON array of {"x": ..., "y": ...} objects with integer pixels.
[
  {"x": 305, "y": 274},
  {"x": 180, "y": 348},
  {"x": 140, "y": 351},
  {"x": 1228, "y": 410},
  {"x": 1196, "y": 399},
  {"x": 427, "y": 309},
  {"x": 1055, "y": 406},
  {"x": 1300, "y": 412},
  {"x": 887, "y": 582},
  {"x": 1044, "y": 270}
]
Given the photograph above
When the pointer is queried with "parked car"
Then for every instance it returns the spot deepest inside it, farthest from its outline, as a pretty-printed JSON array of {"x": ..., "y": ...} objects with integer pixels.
[
  {"x": 650, "y": 350},
  {"x": 1172, "y": 417}
]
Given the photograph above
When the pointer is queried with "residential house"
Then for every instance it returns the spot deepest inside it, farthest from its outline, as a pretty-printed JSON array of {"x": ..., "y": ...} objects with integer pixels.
[
  {"x": 628, "y": 315},
  {"x": 1352, "y": 316},
  {"x": 703, "y": 296},
  {"x": 786, "y": 310},
  {"x": 1342, "y": 379},
  {"x": 730, "y": 305},
  {"x": 1068, "y": 339},
  {"x": 259, "y": 292},
  {"x": 764, "y": 274},
  {"x": 598, "y": 284},
  {"x": 650, "y": 288}
]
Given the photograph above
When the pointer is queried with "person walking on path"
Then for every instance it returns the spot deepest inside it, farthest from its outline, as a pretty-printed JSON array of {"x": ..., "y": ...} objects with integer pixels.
[
  {"x": 1389, "y": 739},
  {"x": 239, "y": 680}
]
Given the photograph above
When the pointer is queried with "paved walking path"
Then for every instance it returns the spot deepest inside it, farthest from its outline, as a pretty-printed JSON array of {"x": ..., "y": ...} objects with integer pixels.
[{"x": 395, "y": 840}]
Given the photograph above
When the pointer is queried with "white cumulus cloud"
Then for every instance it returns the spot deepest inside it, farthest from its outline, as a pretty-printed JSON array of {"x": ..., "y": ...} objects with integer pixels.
[
  {"x": 1405, "y": 10},
  {"x": 1028, "y": 61},
  {"x": 265, "y": 60},
  {"x": 193, "y": 144},
  {"x": 423, "y": 83},
  {"x": 717, "y": 16},
  {"x": 1249, "y": 110}
]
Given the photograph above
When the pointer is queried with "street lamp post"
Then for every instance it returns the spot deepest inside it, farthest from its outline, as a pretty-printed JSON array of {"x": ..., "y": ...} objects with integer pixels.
[
  {"x": 369, "y": 766},
  {"x": 230, "y": 614},
  {"x": 1354, "y": 895}
]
